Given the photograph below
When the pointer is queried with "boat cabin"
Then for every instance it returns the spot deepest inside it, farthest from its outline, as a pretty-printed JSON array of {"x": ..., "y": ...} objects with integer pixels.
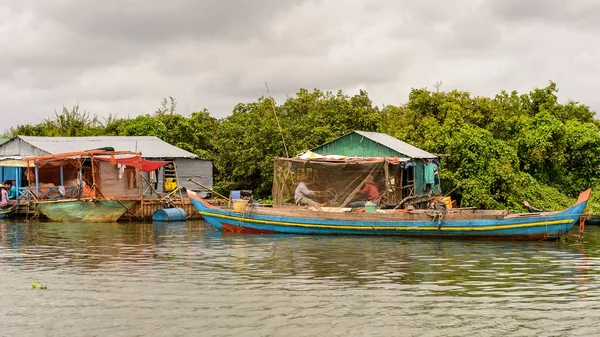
[{"x": 339, "y": 171}]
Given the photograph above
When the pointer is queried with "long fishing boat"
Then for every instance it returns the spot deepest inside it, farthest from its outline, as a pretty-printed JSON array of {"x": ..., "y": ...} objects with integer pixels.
[{"x": 464, "y": 223}]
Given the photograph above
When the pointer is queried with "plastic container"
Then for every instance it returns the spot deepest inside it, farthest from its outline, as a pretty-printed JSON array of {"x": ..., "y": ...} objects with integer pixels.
[
  {"x": 169, "y": 214},
  {"x": 447, "y": 201},
  {"x": 370, "y": 207},
  {"x": 170, "y": 184},
  {"x": 239, "y": 205}
]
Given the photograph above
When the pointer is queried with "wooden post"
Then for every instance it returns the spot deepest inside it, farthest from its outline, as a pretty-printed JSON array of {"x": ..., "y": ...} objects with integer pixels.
[
  {"x": 387, "y": 176},
  {"x": 94, "y": 187},
  {"x": 37, "y": 181},
  {"x": 140, "y": 185},
  {"x": 208, "y": 188},
  {"x": 18, "y": 183},
  {"x": 80, "y": 181},
  {"x": 178, "y": 185}
]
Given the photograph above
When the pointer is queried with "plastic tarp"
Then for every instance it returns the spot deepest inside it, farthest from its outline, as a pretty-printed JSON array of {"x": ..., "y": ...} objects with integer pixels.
[{"x": 137, "y": 162}]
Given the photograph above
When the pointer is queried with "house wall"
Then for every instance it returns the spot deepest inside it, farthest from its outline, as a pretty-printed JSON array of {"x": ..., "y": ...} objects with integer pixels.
[
  {"x": 419, "y": 176},
  {"x": 17, "y": 147},
  {"x": 114, "y": 184},
  {"x": 197, "y": 169},
  {"x": 9, "y": 173}
]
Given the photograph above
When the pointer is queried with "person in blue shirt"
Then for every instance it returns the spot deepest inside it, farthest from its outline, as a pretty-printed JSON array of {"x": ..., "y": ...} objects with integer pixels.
[{"x": 10, "y": 189}]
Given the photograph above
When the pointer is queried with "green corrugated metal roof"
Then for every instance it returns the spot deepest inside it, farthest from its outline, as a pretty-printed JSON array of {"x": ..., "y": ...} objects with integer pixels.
[
  {"x": 370, "y": 144},
  {"x": 3, "y": 140}
]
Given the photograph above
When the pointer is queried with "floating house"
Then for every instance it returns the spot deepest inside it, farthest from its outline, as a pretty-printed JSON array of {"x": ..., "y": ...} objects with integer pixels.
[
  {"x": 341, "y": 166},
  {"x": 182, "y": 165}
]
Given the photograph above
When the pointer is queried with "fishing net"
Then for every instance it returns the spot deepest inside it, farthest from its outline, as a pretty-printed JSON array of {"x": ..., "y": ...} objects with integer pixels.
[{"x": 339, "y": 183}]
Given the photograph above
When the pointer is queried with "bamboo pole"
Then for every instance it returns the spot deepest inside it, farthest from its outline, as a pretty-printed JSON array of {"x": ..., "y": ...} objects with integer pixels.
[
  {"x": 277, "y": 119},
  {"x": 208, "y": 188},
  {"x": 177, "y": 178}
]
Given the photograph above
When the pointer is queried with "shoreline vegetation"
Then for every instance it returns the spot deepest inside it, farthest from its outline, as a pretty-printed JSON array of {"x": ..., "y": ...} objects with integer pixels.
[{"x": 501, "y": 150}]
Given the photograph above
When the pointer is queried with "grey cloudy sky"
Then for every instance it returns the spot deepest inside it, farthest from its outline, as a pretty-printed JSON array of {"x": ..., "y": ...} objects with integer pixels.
[{"x": 124, "y": 56}]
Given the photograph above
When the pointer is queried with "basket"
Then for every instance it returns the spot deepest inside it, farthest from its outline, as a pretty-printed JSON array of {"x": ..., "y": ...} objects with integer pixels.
[
  {"x": 239, "y": 205},
  {"x": 370, "y": 207}
]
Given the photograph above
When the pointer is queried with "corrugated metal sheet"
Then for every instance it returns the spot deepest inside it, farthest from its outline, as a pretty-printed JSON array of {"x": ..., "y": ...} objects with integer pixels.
[
  {"x": 397, "y": 145},
  {"x": 150, "y": 147},
  {"x": 371, "y": 144}
]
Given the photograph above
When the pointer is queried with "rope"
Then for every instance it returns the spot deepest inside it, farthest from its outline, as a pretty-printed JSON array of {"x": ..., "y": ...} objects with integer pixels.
[{"x": 241, "y": 221}]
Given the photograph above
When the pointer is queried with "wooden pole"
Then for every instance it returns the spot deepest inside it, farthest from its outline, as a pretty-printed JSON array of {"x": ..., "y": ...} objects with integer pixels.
[
  {"x": 277, "y": 119},
  {"x": 177, "y": 179},
  {"x": 208, "y": 188}
]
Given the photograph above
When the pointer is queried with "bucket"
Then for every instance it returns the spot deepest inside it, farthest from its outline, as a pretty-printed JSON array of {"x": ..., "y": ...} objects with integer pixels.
[
  {"x": 239, "y": 205},
  {"x": 370, "y": 207},
  {"x": 169, "y": 214},
  {"x": 447, "y": 201}
]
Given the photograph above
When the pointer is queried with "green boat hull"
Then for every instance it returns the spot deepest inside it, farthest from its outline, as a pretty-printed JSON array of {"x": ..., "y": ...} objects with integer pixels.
[{"x": 85, "y": 210}]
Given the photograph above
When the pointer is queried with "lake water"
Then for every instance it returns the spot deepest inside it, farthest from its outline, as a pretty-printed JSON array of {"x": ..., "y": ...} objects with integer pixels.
[{"x": 186, "y": 279}]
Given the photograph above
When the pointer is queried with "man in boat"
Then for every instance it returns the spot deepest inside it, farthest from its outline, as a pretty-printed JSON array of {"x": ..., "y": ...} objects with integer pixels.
[
  {"x": 303, "y": 195},
  {"x": 370, "y": 190}
]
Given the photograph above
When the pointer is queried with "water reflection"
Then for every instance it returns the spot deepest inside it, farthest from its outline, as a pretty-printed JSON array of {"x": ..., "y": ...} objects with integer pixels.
[{"x": 198, "y": 276}]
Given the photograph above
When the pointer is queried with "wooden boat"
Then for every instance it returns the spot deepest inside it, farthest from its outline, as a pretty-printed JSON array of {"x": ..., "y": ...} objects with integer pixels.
[
  {"x": 480, "y": 224},
  {"x": 4, "y": 212},
  {"x": 85, "y": 210}
]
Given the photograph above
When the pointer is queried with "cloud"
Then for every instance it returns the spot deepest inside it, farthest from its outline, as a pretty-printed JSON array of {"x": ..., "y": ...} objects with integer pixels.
[{"x": 122, "y": 57}]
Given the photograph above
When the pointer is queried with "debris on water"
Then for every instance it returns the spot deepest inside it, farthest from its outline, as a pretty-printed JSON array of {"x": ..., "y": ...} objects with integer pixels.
[{"x": 38, "y": 285}]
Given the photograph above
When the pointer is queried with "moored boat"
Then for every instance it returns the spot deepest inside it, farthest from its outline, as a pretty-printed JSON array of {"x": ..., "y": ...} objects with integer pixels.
[
  {"x": 4, "y": 212},
  {"x": 87, "y": 210},
  {"x": 464, "y": 223}
]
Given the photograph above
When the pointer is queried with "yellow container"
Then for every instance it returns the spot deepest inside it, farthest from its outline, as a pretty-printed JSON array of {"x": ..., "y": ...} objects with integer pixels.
[
  {"x": 170, "y": 184},
  {"x": 447, "y": 201},
  {"x": 239, "y": 205}
]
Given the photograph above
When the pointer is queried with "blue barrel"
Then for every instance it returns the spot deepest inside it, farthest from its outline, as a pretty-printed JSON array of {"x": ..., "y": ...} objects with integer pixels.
[{"x": 169, "y": 214}]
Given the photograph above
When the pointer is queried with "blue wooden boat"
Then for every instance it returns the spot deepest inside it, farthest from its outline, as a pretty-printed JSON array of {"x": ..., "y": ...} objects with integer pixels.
[{"x": 464, "y": 223}]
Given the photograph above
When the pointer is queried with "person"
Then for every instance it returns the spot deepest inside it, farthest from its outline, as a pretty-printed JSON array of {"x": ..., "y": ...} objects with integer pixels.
[
  {"x": 3, "y": 198},
  {"x": 303, "y": 196},
  {"x": 429, "y": 172},
  {"x": 370, "y": 190},
  {"x": 10, "y": 189}
]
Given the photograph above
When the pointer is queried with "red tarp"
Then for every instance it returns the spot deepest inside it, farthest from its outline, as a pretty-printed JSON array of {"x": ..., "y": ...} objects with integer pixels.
[{"x": 137, "y": 162}]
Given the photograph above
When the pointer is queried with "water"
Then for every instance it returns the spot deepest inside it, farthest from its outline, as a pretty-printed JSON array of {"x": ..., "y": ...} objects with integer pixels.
[{"x": 186, "y": 279}]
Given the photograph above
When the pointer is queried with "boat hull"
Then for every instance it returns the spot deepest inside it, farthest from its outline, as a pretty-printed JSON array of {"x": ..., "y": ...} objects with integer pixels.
[
  {"x": 534, "y": 226},
  {"x": 84, "y": 210}
]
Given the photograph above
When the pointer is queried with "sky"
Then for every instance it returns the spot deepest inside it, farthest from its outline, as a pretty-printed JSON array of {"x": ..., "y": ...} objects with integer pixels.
[{"x": 123, "y": 56}]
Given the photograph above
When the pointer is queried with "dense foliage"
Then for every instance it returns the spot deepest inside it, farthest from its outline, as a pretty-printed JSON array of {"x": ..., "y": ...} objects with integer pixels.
[{"x": 500, "y": 150}]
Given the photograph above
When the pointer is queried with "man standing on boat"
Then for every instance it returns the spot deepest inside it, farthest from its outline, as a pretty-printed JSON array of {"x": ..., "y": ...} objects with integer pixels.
[{"x": 303, "y": 195}]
